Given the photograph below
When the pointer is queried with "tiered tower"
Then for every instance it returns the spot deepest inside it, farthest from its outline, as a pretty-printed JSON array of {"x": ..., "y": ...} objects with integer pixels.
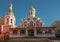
[{"x": 10, "y": 18}]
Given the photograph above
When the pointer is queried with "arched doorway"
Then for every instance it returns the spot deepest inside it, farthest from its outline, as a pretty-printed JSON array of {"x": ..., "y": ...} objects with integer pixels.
[
  {"x": 31, "y": 32},
  {"x": 22, "y": 32}
]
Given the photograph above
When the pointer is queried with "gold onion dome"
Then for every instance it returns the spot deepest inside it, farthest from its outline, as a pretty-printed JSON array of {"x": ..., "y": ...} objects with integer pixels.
[
  {"x": 32, "y": 8},
  {"x": 10, "y": 11}
]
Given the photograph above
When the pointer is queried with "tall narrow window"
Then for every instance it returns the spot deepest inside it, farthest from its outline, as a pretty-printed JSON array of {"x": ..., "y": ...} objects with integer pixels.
[
  {"x": 11, "y": 20},
  {"x": 7, "y": 20},
  {"x": 31, "y": 23}
]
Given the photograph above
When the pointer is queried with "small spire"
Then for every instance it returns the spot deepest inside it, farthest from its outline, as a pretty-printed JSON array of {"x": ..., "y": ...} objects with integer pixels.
[
  {"x": 10, "y": 5},
  {"x": 10, "y": 8}
]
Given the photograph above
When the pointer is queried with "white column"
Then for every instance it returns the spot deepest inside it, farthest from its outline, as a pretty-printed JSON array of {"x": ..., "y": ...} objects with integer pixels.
[
  {"x": 35, "y": 33},
  {"x": 26, "y": 32},
  {"x": 11, "y": 33},
  {"x": 43, "y": 34},
  {"x": 53, "y": 32},
  {"x": 2, "y": 28},
  {"x": 20, "y": 32}
]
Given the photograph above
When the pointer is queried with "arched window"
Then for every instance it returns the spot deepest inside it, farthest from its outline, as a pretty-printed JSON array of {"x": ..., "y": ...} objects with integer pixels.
[
  {"x": 11, "y": 20},
  {"x": 22, "y": 32},
  {"x": 14, "y": 31},
  {"x": 7, "y": 20},
  {"x": 25, "y": 24},
  {"x": 31, "y": 23}
]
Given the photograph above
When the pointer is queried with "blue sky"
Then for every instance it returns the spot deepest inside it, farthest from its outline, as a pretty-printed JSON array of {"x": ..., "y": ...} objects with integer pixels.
[{"x": 47, "y": 10}]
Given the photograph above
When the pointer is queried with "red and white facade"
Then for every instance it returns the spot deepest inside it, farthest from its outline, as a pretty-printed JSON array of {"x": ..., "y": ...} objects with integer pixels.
[{"x": 30, "y": 27}]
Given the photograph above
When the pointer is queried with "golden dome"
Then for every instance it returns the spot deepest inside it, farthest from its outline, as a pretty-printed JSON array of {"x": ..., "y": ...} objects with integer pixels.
[{"x": 32, "y": 9}]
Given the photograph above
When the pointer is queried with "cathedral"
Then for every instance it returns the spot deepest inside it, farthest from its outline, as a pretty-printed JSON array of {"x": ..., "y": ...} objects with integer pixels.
[{"x": 30, "y": 27}]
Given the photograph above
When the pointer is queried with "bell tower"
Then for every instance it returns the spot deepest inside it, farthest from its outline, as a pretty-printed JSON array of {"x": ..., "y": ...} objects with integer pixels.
[{"x": 10, "y": 18}]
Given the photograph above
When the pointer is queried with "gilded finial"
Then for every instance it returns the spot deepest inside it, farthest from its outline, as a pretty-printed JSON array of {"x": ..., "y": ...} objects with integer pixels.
[
  {"x": 10, "y": 8},
  {"x": 32, "y": 8}
]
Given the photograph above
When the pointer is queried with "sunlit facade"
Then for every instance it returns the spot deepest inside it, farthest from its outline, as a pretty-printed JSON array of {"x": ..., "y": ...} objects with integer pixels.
[{"x": 32, "y": 26}]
